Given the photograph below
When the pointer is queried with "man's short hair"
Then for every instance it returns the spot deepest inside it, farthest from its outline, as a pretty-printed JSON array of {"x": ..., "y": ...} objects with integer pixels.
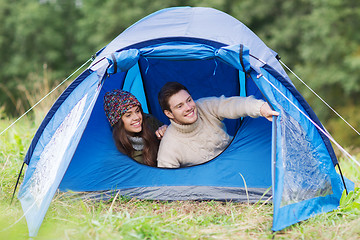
[{"x": 168, "y": 90}]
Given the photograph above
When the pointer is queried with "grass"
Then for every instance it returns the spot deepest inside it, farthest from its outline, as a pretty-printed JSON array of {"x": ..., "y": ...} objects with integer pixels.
[{"x": 123, "y": 218}]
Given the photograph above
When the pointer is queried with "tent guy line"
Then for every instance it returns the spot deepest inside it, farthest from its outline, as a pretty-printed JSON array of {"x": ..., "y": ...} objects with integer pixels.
[
  {"x": 314, "y": 123},
  {"x": 42, "y": 99},
  {"x": 319, "y": 97},
  {"x": 17, "y": 221}
]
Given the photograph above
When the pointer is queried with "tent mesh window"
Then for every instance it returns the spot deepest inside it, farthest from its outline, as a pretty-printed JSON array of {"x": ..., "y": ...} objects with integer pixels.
[{"x": 304, "y": 175}]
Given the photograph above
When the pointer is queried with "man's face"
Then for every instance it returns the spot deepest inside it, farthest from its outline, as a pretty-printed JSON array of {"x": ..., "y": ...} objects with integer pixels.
[{"x": 182, "y": 108}]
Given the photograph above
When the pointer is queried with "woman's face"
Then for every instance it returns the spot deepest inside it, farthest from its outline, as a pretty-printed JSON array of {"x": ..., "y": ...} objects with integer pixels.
[{"x": 132, "y": 120}]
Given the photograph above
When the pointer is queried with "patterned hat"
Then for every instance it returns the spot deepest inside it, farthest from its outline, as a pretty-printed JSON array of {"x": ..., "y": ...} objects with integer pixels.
[{"x": 116, "y": 103}]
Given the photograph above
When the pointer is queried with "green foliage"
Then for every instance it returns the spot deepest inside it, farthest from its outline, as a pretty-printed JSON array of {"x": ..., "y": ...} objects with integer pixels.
[
  {"x": 46, "y": 40},
  {"x": 351, "y": 203},
  {"x": 330, "y": 51}
]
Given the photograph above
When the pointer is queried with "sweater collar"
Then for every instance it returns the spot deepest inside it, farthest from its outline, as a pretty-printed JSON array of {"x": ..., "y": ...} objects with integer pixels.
[
  {"x": 187, "y": 128},
  {"x": 136, "y": 142}
]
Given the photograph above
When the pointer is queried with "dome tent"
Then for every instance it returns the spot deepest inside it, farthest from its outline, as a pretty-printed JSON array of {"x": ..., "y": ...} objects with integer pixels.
[{"x": 212, "y": 54}]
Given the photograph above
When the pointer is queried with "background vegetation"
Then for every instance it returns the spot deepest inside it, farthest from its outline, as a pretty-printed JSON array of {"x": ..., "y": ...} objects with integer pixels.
[
  {"x": 318, "y": 39},
  {"x": 43, "y": 41}
]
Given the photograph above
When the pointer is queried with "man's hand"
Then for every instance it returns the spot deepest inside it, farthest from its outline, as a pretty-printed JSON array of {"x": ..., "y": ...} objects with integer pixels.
[
  {"x": 161, "y": 131},
  {"x": 267, "y": 112}
]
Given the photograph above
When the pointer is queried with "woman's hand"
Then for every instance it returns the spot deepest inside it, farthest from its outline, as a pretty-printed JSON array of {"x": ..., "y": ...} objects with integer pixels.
[{"x": 161, "y": 131}]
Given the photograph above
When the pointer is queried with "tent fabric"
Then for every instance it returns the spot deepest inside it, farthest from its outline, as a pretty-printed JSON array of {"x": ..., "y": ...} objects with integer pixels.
[
  {"x": 306, "y": 107},
  {"x": 212, "y": 54},
  {"x": 52, "y": 154},
  {"x": 194, "y": 23},
  {"x": 52, "y": 111},
  {"x": 306, "y": 182}
]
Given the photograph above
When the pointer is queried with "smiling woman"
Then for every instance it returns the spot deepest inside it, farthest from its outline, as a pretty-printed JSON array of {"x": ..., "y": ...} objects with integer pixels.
[
  {"x": 132, "y": 120},
  {"x": 133, "y": 131}
]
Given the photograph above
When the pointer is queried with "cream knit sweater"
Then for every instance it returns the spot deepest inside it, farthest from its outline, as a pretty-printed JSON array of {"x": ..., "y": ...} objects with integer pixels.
[{"x": 187, "y": 145}]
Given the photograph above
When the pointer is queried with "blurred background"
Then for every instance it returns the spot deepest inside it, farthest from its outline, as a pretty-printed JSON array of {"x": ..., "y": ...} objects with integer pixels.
[{"x": 43, "y": 41}]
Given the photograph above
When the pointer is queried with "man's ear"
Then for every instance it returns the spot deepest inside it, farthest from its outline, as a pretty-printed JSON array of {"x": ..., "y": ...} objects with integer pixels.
[{"x": 169, "y": 114}]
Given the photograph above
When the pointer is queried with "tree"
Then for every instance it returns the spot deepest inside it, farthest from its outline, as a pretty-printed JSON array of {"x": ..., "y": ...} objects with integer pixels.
[{"x": 36, "y": 36}]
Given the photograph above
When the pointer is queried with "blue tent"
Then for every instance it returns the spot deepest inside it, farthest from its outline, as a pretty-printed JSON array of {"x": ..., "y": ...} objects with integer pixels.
[{"x": 212, "y": 54}]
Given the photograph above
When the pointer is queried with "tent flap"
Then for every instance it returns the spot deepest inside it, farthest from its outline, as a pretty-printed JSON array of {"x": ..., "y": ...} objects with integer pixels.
[
  {"x": 305, "y": 180},
  {"x": 54, "y": 151}
]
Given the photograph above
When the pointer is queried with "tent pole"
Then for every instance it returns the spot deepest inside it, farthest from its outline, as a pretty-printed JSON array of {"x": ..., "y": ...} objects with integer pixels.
[
  {"x": 342, "y": 178},
  {"x": 17, "y": 182}
]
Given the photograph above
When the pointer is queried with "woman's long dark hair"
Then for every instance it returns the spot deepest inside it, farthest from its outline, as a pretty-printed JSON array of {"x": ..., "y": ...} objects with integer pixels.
[{"x": 151, "y": 143}]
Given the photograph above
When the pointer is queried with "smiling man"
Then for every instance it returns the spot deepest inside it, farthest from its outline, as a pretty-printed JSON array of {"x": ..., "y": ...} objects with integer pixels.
[{"x": 196, "y": 133}]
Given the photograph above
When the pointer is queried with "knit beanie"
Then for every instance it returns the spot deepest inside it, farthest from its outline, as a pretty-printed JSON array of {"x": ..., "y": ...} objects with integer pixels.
[{"x": 116, "y": 103}]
